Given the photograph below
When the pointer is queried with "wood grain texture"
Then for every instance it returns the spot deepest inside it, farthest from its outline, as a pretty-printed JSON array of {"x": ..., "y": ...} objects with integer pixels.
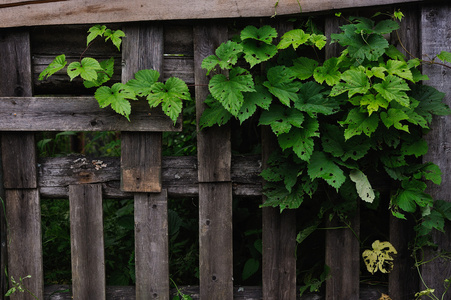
[
  {"x": 78, "y": 114},
  {"x": 436, "y": 37},
  {"x": 87, "y": 246},
  {"x": 342, "y": 247},
  {"x": 215, "y": 241},
  {"x": 151, "y": 246},
  {"x": 141, "y": 152},
  {"x": 23, "y": 216},
  {"x": 403, "y": 283},
  {"x": 213, "y": 144},
  {"x": 98, "y": 11}
]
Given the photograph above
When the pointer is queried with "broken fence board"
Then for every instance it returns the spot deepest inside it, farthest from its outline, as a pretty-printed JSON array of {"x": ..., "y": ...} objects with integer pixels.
[{"x": 87, "y": 246}]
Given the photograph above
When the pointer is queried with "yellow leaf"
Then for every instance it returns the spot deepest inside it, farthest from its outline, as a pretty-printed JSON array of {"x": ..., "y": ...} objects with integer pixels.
[
  {"x": 380, "y": 257},
  {"x": 385, "y": 297}
]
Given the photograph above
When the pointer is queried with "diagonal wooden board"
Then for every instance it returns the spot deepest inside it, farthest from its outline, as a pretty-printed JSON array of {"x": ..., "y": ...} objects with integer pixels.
[{"x": 15, "y": 13}]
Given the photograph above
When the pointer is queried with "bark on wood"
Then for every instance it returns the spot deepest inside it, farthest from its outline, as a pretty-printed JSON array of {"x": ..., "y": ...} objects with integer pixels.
[
  {"x": 23, "y": 216},
  {"x": 213, "y": 144},
  {"x": 97, "y": 11},
  {"x": 403, "y": 282},
  {"x": 78, "y": 114},
  {"x": 436, "y": 28},
  {"x": 87, "y": 246},
  {"x": 151, "y": 246},
  {"x": 342, "y": 247},
  {"x": 215, "y": 241},
  {"x": 141, "y": 152}
]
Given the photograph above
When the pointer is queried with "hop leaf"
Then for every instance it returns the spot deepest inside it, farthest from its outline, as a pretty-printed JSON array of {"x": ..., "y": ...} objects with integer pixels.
[
  {"x": 355, "y": 82},
  {"x": 328, "y": 72},
  {"x": 57, "y": 64},
  {"x": 117, "y": 96},
  {"x": 95, "y": 31},
  {"x": 261, "y": 98},
  {"x": 380, "y": 257},
  {"x": 143, "y": 82},
  {"x": 256, "y": 52},
  {"x": 281, "y": 119},
  {"x": 312, "y": 99},
  {"x": 362, "y": 185},
  {"x": 115, "y": 36},
  {"x": 102, "y": 76},
  {"x": 445, "y": 56},
  {"x": 281, "y": 84},
  {"x": 301, "y": 139},
  {"x": 293, "y": 38},
  {"x": 358, "y": 123},
  {"x": 226, "y": 56},
  {"x": 229, "y": 91},
  {"x": 87, "y": 69},
  {"x": 214, "y": 114},
  {"x": 304, "y": 67},
  {"x": 393, "y": 117},
  {"x": 264, "y": 34},
  {"x": 394, "y": 88},
  {"x": 321, "y": 166}
]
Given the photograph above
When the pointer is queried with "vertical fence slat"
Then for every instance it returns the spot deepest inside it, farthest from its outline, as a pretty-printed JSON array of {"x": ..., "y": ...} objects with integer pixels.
[
  {"x": 215, "y": 188},
  {"x": 144, "y": 49},
  {"x": 151, "y": 246},
  {"x": 342, "y": 247},
  {"x": 87, "y": 245},
  {"x": 403, "y": 281},
  {"x": 23, "y": 214},
  {"x": 435, "y": 37}
]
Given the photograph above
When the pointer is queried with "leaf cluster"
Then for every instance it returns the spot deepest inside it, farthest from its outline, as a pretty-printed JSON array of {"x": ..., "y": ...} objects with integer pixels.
[
  {"x": 338, "y": 122},
  {"x": 118, "y": 96}
]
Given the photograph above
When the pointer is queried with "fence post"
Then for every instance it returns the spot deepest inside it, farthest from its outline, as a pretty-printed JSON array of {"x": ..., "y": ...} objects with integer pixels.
[
  {"x": 141, "y": 170},
  {"x": 435, "y": 37},
  {"x": 23, "y": 212},
  {"x": 342, "y": 247},
  {"x": 215, "y": 187}
]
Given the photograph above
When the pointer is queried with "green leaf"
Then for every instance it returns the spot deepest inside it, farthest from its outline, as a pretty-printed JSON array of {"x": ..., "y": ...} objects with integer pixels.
[
  {"x": 229, "y": 91},
  {"x": 379, "y": 72},
  {"x": 373, "y": 103},
  {"x": 57, "y": 64},
  {"x": 363, "y": 186},
  {"x": 293, "y": 38},
  {"x": 445, "y": 56},
  {"x": 430, "y": 102},
  {"x": 280, "y": 84},
  {"x": 281, "y": 118},
  {"x": 333, "y": 142},
  {"x": 304, "y": 67},
  {"x": 256, "y": 52},
  {"x": 393, "y": 88},
  {"x": 214, "y": 114},
  {"x": 95, "y": 31},
  {"x": 355, "y": 82},
  {"x": 418, "y": 147},
  {"x": 87, "y": 69},
  {"x": 385, "y": 27},
  {"x": 143, "y": 82},
  {"x": 262, "y": 98},
  {"x": 393, "y": 117},
  {"x": 432, "y": 172},
  {"x": 301, "y": 139},
  {"x": 400, "y": 68},
  {"x": 412, "y": 194},
  {"x": 115, "y": 36},
  {"x": 102, "y": 76},
  {"x": 313, "y": 100},
  {"x": 226, "y": 56},
  {"x": 394, "y": 53},
  {"x": 318, "y": 40},
  {"x": 117, "y": 96},
  {"x": 328, "y": 72},
  {"x": 278, "y": 196},
  {"x": 170, "y": 95},
  {"x": 251, "y": 267},
  {"x": 358, "y": 123},
  {"x": 264, "y": 34},
  {"x": 321, "y": 166}
]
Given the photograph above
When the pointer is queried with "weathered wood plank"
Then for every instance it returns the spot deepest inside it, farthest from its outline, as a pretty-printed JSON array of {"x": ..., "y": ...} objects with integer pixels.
[
  {"x": 23, "y": 216},
  {"x": 342, "y": 247},
  {"x": 97, "y": 11},
  {"x": 435, "y": 37},
  {"x": 403, "y": 283},
  {"x": 78, "y": 114},
  {"x": 215, "y": 240},
  {"x": 151, "y": 246},
  {"x": 179, "y": 175},
  {"x": 87, "y": 247},
  {"x": 141, "y": 152},
  {"x": 213, "y": 144}
]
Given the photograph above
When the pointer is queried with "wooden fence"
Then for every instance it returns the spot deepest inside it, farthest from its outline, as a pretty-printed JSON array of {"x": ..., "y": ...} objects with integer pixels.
[{"x": 215, "y": 176}]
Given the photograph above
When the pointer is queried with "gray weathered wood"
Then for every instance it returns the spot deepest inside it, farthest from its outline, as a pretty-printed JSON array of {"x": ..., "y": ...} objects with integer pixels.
[
  {"x": 342, "y": 247},
  {"x": 179, "y": 175},
  {"x": 87, "y": 246},
  {"x": 435, "y": 33},
  {"x": 151, "y": 246},
  {"x": 215, "y": 188},
  {"x": 78, "y": 114},
  {"x": 97, "y": 11},
  {"x": 143, "y": 48},
  {"x": 402, "y": 281},
  {"x": 215, "y": 240},
  {"x": 23, "y": 216},
  {"x": 213, "y": 144}
]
